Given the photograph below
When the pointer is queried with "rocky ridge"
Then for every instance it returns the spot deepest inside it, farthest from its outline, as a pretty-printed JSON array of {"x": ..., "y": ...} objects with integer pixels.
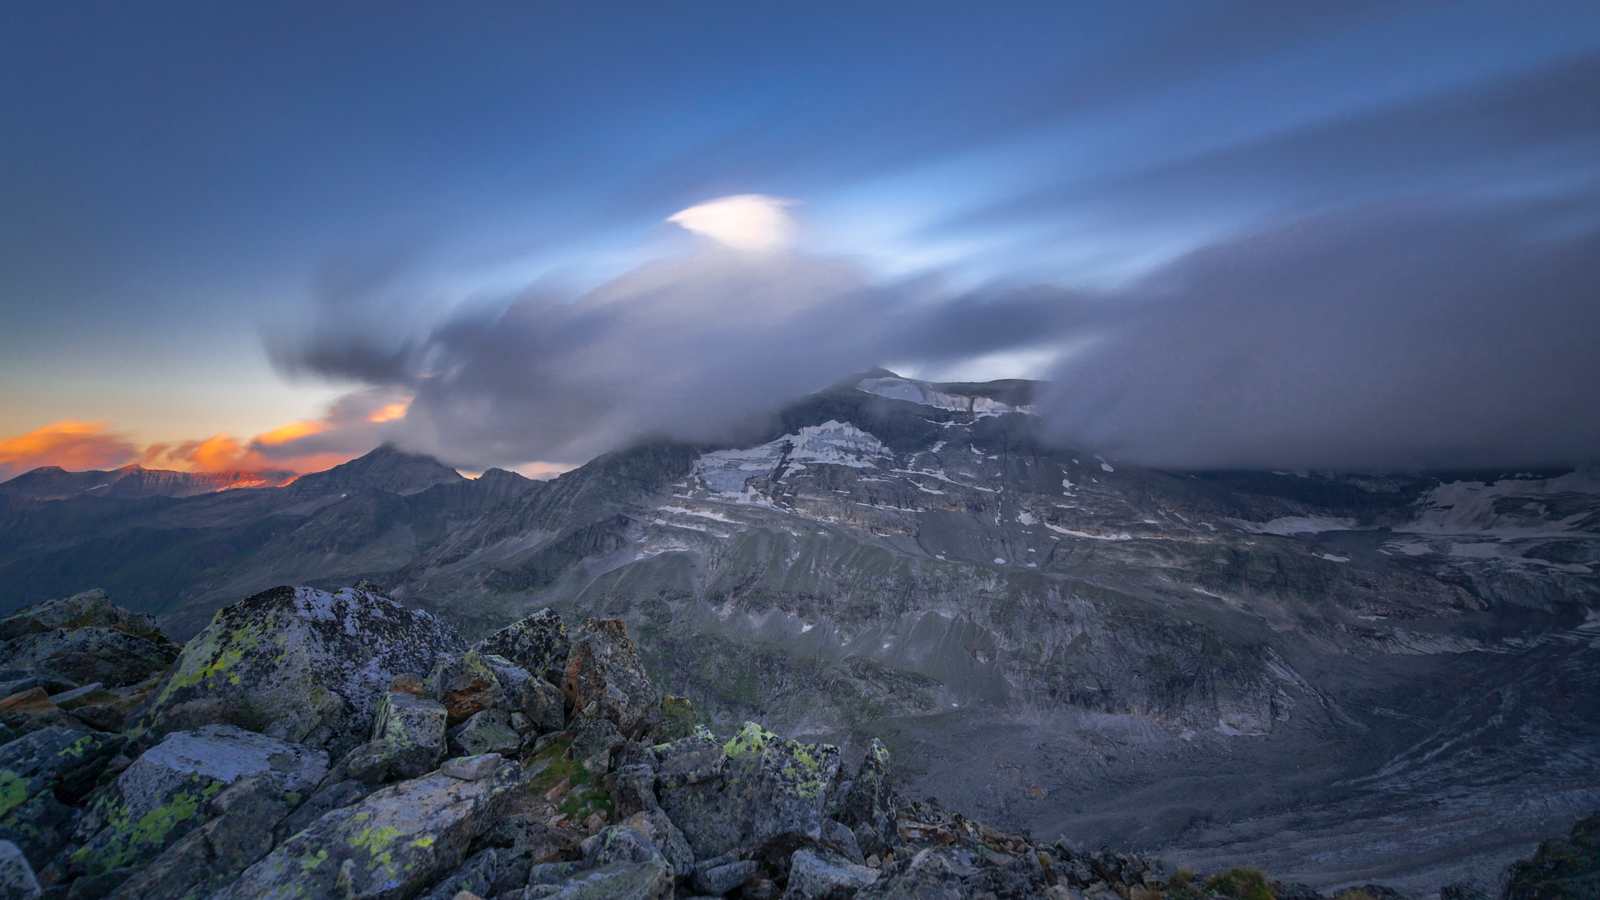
[{"x": 338, "y": 744}]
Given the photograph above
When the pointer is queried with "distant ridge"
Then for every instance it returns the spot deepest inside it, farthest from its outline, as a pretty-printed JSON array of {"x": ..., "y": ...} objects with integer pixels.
[{"x": 134, "y": 481}]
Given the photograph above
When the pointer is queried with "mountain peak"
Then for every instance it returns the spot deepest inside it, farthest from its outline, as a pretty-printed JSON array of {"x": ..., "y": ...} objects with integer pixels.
[{"x": 384, "y": 468}]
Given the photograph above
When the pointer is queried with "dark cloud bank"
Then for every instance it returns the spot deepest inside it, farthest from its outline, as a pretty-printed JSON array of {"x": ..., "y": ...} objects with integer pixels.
[{"x": 1423, "y": 334}]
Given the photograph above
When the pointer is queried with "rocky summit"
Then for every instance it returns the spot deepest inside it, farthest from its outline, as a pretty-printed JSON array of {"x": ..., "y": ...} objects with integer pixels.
[{"x": 311, "y": 744}]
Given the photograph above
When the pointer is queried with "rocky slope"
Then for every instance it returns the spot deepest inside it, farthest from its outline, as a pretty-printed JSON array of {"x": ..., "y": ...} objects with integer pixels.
[
  {"x": 315, "y": 744},
  {"x": 1351, "y": 678}
]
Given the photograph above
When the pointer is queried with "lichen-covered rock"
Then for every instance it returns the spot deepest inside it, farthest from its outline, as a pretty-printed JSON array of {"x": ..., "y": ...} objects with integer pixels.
[
  {"x": 299, "y": 664},
  {"x": 239, "y": 832},
  {"x": 544, "y": 705},
  {"x": 678, "y": 718},
  {"x": 391, "y": 844},
  {"x": 17, "y": 881},
  {"x": 85, "y": 638},
  {"x": 866, "y": 803},
  {"x": 488, "y": 731},
  {"x": 40, "y": 775},
  {"x": 817, "y": 875},
  {"x": 650, "y": 880},
  {"x": 466, "y": 685},
  {"x": 594, "y": 740},
  {"x": 165, "y": 793},
  {"x": 766, "y": 787},
  {"x": 408, "y": 734},
  {"x": 605, "y": 677},
  {"x": 31, "y": 710},
  {"x": 537, "y": 643},
  {"x": 1561, "y": 869}
]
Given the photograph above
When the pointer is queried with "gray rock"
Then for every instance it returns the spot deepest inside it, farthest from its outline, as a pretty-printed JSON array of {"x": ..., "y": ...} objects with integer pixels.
[
  {"x": 391, "y": 844},
  {"x": 665, "y": 836},
  {"x": 867, "y": 803},
  {"x": 476, "y": 877},
  {"x": 410, "y": 733},
  {"x": 605, "y": 677},
  {"x": 594, "y": 740},
  {"x": 91, "y": 654},
  {"x": 166, "y": 792},
  {"x": 721, "y": 879},
  {"x": 80, "y": 696},
  {"x": 769, "y": 787},
  {"x": 16, "y": 876},
  {"x": 544, "y": 705},
  {"x": 817, "y": 875},
  {"x": 537, "y": 643},
  {"x": 838, "y": 837},
  {"x": 466, "y": 685},
  {"x": 487, "y": 731},
  {"x": 472, "y": 768},
  {"x": 40, "y": 774},
  {"x": 620, "y": 881},
  {"x": 299, "y": 664},
  {"x": 90, "y": 609},
  {"x": 209, "y": 857}
]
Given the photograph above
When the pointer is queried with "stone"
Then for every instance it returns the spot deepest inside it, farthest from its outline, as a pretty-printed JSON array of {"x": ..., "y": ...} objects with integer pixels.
[
  {"x": 16, "y": 876},
  {"x": 31, "y": 710},
  {"x": 83, "y": 655},
  {"x": 410, "y": 733},
  {"x": 815, "y": 875},
  {"x": 537, "y": 643},
  {"x": 166, "y": 792},
  {"x": 605, "y": 677},
  {"x": 488, "y": 731},
  {"x": 769, "y": 788},
  {"x": 838, "y": 837},
  {"x": 722, "y": 879},
  {"x": 299, "y": 664},
  {"x": 475, "y": 878},
  {"x": 88, "y": 609},
  {"x": 867, "y": 802},
  {"x": 1561, "y": 868},
  {"x": 544, "y": 705},
  {"x": 240, "y": 831},
  {"x": 665, "y": 836},
  {"x": 465, "y": 684},
  {"x": 620, "y": 881},
  {"x": 393, "y": 843},
  {"x": 594, "y": 740},
  {"x": 472, "y": 768},
  {"x": 41, "y": 774},
  {"x": 76, "y": 697},
  {"x": 678, "y": 718}
]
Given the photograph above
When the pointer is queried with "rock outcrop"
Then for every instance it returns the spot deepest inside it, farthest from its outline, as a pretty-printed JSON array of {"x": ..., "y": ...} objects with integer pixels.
[
  {"x": 297, "y": 751},
  {"x": 299, "y": 664}
]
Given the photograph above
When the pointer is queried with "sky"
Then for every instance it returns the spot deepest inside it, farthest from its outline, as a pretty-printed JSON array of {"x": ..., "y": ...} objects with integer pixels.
[{"x": 273, "y": 236}]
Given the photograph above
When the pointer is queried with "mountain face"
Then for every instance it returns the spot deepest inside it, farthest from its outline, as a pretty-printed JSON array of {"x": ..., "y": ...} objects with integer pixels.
[
  {"x": 55, "y": 483},
  {"x": 1336, "y": 677}
]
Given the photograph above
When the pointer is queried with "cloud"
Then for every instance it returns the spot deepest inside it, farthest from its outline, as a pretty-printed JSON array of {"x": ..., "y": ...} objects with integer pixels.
[
  {"x": 69, "y": 443},
  {"x": 750, "y": 222},
  {"x": 1390, "y": 335},
  {"x": 1387, "y": 337}
]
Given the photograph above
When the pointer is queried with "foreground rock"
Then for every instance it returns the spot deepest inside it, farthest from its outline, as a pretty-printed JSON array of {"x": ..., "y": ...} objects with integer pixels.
[
  {"x": 340, "y": 745},
  {"x": 300, "y": 664}
]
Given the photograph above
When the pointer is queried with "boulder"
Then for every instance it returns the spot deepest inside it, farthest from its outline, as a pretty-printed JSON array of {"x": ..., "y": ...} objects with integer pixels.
[
  {"x": 537, "y": 643},
  {"x": 239, "y": 832},
  {"x": 466, "y": 685},
  {"x": 472, "y": 768},
  {"x": 488, "y": 731},
  {"x": 166, "y": 792},
  {"x": 17, "y": 881},
  {"x": 31, "y": 710},
  {"x": 819, "y": 875},
  {"x": 619, "y": 881},
  {"x": 90, "y": 609},
  {"x": 723, "y": 877},
  {"x": 1561, "y": 868},
  {"x": 767, "y": 788},
  {"x": 299, "y": 664},
  {"x": 866, "y": 803},
  {"x": 393, "y": 843},
  {"x": 605, "y": 677},
  {"x": 544, "y": 705},
  {"x": 41, "y": 773},
  {"x": 84, "y": 655},
  {"x": 408, "y": 734}
]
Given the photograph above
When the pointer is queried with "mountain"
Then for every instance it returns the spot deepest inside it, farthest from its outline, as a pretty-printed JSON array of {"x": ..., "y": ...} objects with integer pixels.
[
  {"x": 1335, "y": 676},
  {"x": 55, "y": 483}
]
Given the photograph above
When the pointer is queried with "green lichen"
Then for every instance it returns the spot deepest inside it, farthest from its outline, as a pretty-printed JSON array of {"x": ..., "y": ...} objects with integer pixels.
[
  {"x": 423, "y": 842},
  {"x": 310, "y": 863},
  {"x": 77, "y": 748},
  {"x": 752, "y": 738},
  {"x": 378, "y": 843},
  {"x": 124, "y": 841},
  {"x": 213, "y": 656},
  {"x": 13, "y": 791}
]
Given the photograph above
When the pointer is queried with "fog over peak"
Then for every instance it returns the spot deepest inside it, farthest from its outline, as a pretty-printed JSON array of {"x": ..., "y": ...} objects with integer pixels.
[{"x": 1394, "y": 335}]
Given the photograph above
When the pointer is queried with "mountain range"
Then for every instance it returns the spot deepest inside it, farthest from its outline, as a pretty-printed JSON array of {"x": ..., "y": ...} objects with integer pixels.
[{"x": 1336, "y": 676}]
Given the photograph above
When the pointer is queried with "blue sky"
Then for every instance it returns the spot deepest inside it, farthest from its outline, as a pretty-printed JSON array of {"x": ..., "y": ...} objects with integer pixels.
[{"x": 180, "y": 179}]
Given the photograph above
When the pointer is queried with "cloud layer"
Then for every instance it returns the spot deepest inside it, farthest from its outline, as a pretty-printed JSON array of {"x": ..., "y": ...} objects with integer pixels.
[{"x": 1389, "y": 335}]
